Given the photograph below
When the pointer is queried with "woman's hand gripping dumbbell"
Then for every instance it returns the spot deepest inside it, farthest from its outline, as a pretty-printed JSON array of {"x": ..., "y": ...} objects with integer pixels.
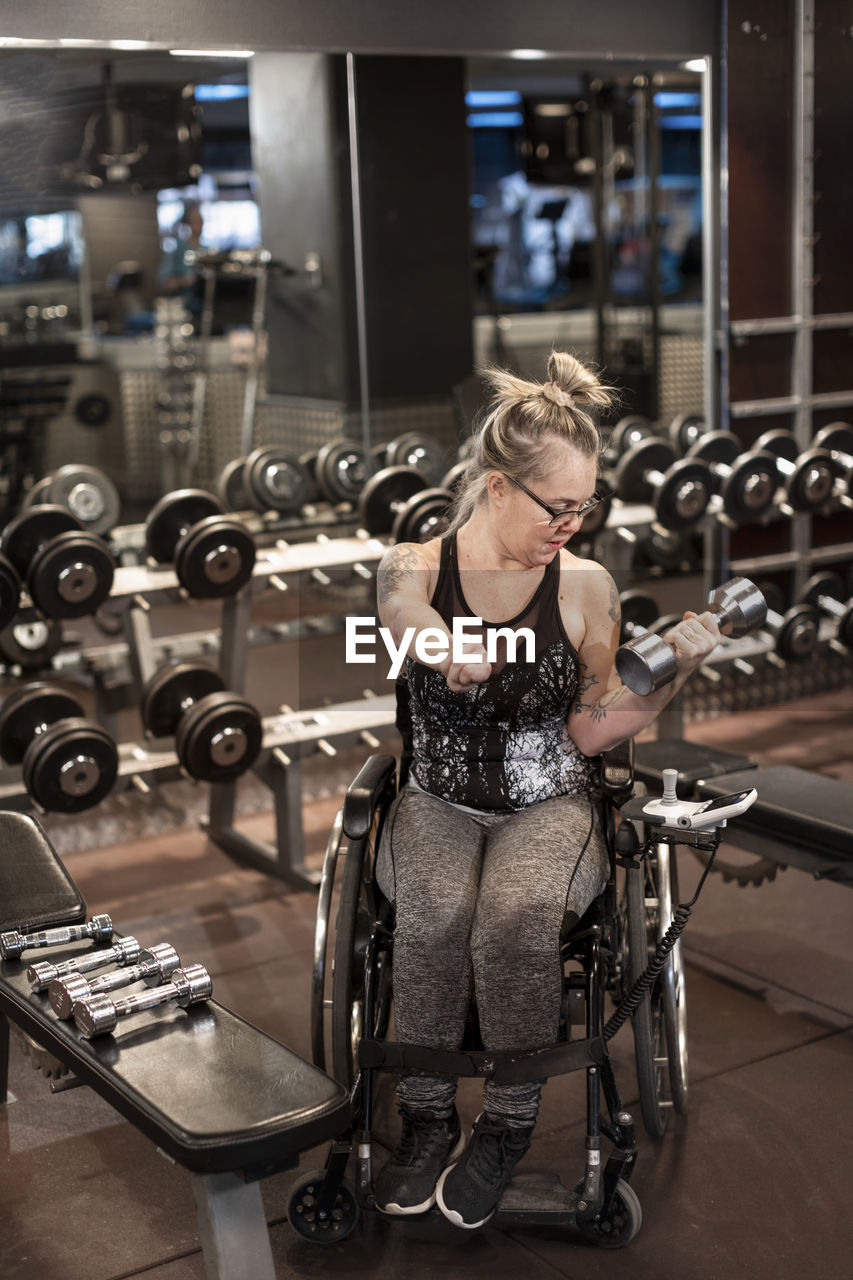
[{"x": 648, "y": 662}]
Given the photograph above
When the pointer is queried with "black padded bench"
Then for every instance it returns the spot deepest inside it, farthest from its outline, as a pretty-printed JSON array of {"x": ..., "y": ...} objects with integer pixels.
[
  {"x": 800, "y": 819},
  {"x": 217, "y": 1095}
]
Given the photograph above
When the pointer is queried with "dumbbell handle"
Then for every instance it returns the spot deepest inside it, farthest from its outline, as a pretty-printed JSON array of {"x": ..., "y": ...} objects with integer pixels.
[
  {"x": 13, "y": 943},
  {"x": 99, "y": 1015},
  {"x": 41, "y": 975},
  {"x": 155, "y": 964}
]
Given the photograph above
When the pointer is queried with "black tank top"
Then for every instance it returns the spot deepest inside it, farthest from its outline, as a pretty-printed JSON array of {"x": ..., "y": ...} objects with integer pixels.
[{"x": 502, "y": 744}]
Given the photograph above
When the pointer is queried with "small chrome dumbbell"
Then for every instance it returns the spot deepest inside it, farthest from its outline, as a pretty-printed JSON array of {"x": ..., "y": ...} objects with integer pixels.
[
  {"x": 43, "y": 973},
  {"x": 13, "y": 943},
  {"x": 155, "y": 964},
  {"x": 99, "y": 1016}
]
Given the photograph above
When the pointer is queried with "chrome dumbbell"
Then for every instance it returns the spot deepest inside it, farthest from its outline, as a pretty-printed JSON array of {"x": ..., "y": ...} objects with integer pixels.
[
  {"x": 647, "y": 662},
  {"x": 13, "y": 943},
  {"x": 99, "y": 1015},
  {"x": 42, "y": 974},
  {"x": 155, "y": 964}
]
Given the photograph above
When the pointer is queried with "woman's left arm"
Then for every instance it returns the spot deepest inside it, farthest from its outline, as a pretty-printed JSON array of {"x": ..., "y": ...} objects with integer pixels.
[{"x": 605, "y": 711}]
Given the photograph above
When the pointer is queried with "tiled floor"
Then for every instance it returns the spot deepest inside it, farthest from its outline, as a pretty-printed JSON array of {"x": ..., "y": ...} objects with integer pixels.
[{"x": 754, "y": 1182}]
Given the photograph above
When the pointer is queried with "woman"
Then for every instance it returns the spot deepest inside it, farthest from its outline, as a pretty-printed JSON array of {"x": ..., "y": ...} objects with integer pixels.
[{"x": 494, "y": 846}]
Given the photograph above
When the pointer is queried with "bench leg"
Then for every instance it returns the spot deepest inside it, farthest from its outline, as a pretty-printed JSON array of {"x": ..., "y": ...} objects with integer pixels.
[
  {"x": 4, "y": 1058},
  {"x": 235, "y": 1240}
]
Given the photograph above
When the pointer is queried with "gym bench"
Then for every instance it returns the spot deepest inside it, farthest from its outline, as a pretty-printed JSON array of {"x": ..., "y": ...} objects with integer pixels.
[
  {"x": 801, "y": 819},
  {"x": 213, "y": 1093}
]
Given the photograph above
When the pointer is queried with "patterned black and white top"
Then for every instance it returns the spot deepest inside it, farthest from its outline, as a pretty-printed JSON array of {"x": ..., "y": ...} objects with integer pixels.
[{"x": 503, "y": 744}]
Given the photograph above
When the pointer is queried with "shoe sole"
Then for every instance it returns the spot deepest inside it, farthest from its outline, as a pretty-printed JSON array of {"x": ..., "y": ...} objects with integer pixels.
[
  {"x": 450, "y": 1214},
  {"x": 402, "y": 1211}
]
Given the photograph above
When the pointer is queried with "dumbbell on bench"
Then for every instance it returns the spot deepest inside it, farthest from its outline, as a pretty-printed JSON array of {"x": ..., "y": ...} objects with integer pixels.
[
  {"x": 41, "y": 974},
  {"x": 218, "y": 734},
  {"x": 99, "y": 1015},
  {"x": 746, "y": 481},
  {"x": 155, "y": 965},
  {"x": 647, "y": 662},
  {"x": 69, "y": 764},
  {"x": 807, "y": 479},
  {"x": 213, "y": 555},
  {"x": 397, "y": 501},
  {"x": 825, "y": 592},
  {"x": 14, "y": 943},
  {"x": 68, "y": 572}
]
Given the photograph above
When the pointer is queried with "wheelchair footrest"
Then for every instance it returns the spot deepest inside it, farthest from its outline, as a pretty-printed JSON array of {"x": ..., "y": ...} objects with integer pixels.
[
  {"x": 505, "y": 1067},
  {"x": 536, "y": 1195}
]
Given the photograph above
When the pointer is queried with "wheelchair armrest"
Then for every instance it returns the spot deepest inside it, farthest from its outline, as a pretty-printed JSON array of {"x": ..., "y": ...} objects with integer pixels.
[
  {"x": 377, "y": 776},
  {"x": 617, "y": 771}
]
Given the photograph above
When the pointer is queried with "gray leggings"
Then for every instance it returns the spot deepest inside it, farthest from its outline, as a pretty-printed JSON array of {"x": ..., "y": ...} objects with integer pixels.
[{"x": 481, "y": 902}]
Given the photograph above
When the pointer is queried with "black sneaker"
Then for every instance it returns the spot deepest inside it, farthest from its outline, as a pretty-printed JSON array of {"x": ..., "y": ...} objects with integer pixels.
[
  {"x": 406, "y": 1182},
  {"x": 468, "y": 1192}
]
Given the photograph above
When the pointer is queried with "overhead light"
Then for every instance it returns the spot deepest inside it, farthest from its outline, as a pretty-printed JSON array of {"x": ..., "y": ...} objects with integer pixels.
[
  {"x": 74, "y": 43},
  {"x": 212, "y": 53},
  {"x": 129, "y": 44},
  {"x": 495, "y": 120},
  {"x": 528, "y": 55},
  {"x": 553, "y": 109},
  {"x": 492, "y": 98},
  {"x": 695, "y": 64},
  {"x": 220, "y": 92}
]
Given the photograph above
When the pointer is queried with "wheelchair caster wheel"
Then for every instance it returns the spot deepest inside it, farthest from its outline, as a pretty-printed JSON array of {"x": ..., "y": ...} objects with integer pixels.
[
  {"x": 621, "y": 1223},
  {"x": 314, "y": 1223}
]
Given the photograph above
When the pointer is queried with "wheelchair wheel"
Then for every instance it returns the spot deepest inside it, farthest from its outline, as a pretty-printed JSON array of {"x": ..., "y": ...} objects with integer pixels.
[
  {"x": 304, "y": 1216},
  {"x": 620, "y": 1225},
  {"x": 673, "y": 980},
  {"x": 362, "y": 972},
  {"x": 319, "y": 1001},
  {"x": 650, "y": 1049}
]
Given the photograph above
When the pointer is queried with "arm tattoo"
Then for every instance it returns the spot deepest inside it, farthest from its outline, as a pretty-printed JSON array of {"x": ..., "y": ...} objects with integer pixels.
[
  {"x": 598, "y": 710},
  {"x": 614, "y": 610},
  {"x": 585, "y": 682},
  {"x": 397, "y": 564}
]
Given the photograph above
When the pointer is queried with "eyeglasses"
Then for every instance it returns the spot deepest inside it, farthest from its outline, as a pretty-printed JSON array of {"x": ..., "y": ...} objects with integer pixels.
[{"x": 558, "y": 516}]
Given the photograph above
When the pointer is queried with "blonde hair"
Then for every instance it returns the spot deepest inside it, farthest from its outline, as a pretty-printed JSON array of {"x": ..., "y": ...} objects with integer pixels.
[{"x": 524, "y": 420}]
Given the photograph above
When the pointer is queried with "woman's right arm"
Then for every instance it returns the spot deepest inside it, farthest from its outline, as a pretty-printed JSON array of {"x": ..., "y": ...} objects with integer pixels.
[{"x": 402, "y": 586}]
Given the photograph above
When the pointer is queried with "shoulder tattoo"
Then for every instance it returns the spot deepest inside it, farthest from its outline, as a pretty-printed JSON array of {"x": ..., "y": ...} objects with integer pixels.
[
  {"x": 614, "y": 609},
  {"x": 398, "y": 564}
]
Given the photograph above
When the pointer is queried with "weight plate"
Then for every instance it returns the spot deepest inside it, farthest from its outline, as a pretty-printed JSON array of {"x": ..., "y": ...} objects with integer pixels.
[
  {"x": 749, "y": 489},
  {"x": 10, "y": 591},
  {"x": 716, "y": 446},
  {"x": 215, "y": 558},
  {"x": 172, "y": 516},
  {"x": 682, "y": 498},
  {"x": 773, "y": 596},
  {"x": 384, "y": 494},
  {"x": 38, "y": 494},
  {"x": 684, "y": 431},
  {"x": 219, "y": 738},
  {"x": 71, "y": 767},
  {"x": 628, "y": 432},
  {"x": 797, "y": 637},
  {"x": 812, "y": 481},
  {"x": 92, "y": 410},
  {"x": 28, "y": 708},
  {"x": 632, "y": 469},
  {"x": 454, "y": 478},
  {"x": 88, "y": 494},
  {"x": 837, "y": 437},
  {"x": 341, "y": 471},
  {"x": 639, "y": 609},
  {"x": 30, "y": 645},
  {"x": 31, "y": 529},
  {"x": 231, "y": 485},
  {"x": 663, "y": 549},
  {"x": 309, "y": 462},
  {"x": 419, "y": 451},
  {"x": 781, "y": 443},
  {"x": 72, "y": 576},
  {"x": 823, "y": 584},
  {"x": 276, "y": 481},
  {"x": 419, "y": 517},
  {"x": 170, "y": 693}
]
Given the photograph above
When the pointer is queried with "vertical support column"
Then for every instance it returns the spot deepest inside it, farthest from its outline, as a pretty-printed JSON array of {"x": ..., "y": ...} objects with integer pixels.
[
  {"x": 4, "y": 1058},
  {"x": 235, "y": 1240},
  {"x": 802, "y": 258},
  {"x": 358, "y": 255}
]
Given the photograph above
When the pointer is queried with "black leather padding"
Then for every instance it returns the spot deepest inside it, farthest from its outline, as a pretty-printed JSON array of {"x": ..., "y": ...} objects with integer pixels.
[
  {"x": 36, "y": 891},
  {"x": 693, "y": 761},
  {"x": 376, "y": 778},
  {"x": 208, "y": 1088},
  {"x": 794, "y": 806}
]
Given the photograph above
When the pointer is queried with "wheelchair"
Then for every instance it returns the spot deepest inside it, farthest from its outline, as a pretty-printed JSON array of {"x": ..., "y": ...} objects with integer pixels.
[{"x": 626, "y": 945}]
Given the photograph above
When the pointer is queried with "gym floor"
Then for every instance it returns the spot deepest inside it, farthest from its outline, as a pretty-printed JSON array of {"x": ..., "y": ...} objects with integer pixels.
[{"x": 754, "y": 1181}]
